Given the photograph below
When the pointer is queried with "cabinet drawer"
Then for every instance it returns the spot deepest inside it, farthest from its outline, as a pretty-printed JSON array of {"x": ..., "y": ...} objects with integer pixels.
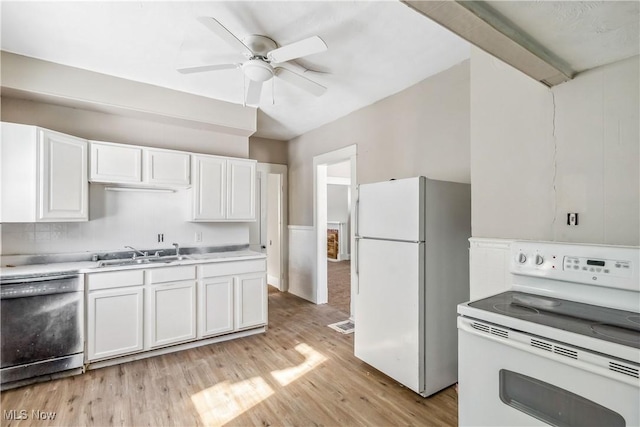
[
  {"x": 172, "y": 274},
  {"x": 233, "y": 267},
  {"x": 115, "y": 279}
]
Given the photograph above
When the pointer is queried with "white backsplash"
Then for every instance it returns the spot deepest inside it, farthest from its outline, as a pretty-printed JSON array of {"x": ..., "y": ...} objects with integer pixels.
[{"x": 117, "y": 219}]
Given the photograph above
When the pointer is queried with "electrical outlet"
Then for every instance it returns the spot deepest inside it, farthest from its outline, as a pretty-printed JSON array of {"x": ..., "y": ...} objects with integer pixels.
[
  {"x": 198, "y": 236},
  {"x": 572, "y": 218},
  {"x": 160, "y": 237}
]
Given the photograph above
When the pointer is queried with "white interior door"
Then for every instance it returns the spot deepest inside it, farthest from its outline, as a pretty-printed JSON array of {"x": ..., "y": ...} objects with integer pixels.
[
  {"x": 258, "y": 228},
  {"x": 273, "y": 227},
  {"x": 389, "y": 309}
]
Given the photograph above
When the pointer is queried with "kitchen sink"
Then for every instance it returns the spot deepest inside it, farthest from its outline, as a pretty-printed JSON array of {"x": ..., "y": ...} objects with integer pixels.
[
  {"x": 170, "y": 258},
  {"x": 141, "y": 261}
]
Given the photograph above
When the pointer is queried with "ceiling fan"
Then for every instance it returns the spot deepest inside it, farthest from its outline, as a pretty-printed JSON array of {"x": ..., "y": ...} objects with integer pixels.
[{"x": 256, "y": 58}]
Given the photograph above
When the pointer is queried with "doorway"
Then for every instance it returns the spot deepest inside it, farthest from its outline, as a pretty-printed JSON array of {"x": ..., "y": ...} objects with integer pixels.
[
  {"x": 321, "y": 165},
  {"x": 338, "y": 231},
  {"x": 268, "y": 233}
]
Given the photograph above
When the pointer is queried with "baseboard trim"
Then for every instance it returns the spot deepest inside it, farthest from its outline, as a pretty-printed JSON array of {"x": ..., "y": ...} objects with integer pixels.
[
  {"x": 273, "y": 280},
  {"x": 172, "y": 349}
]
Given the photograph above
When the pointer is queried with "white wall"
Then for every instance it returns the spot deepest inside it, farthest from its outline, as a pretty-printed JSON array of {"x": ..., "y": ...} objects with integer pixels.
[
  {"x": 538, "y": 153},
  {"x": 121, "y": 129},
  {"x": 337, "y": 203},
  {"x": 119, "y": 219},
  {"x": 302, "y": 262},
  {"x": 423, "y": 130},
  {"x": 78, "y": 88}
]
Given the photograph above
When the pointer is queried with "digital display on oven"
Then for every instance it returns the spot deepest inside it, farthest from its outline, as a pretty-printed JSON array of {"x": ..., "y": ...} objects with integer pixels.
[{"x": 595, "y": 262}]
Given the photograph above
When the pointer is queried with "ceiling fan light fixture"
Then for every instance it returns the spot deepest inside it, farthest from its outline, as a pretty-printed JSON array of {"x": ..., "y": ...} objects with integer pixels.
[{"x": 257, "y": 70}]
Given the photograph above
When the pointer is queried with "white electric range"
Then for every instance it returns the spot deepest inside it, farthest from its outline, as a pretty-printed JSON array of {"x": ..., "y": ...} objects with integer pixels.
[{"x": 562, "y": 347}]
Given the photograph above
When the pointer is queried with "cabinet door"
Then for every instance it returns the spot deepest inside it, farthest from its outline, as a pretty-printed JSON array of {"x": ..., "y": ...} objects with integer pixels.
[
  {"x": 209, "y": 188},
  {"x": 241, "y": 203},
  {"x": 114, "y": 322},
  {"x": 115, "y": 163},
  {"x": 251, "y": 300},
  {"x": 167, "y": 167},
  {"x": 215, "y": 298},
  {"x": 62, "y": 181},
  {"x": 171, "y": 313}
]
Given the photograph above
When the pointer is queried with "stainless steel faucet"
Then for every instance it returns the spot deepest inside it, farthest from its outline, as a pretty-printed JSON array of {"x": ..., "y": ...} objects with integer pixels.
[
  {"x": 135, "y": 250},
  {"x": 177, "y": 246}
]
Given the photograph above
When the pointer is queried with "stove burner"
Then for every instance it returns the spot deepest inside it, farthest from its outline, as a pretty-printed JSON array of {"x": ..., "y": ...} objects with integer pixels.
[
  {"x": 634, "y": 319},
  {"x": 516, "y": 309},
  {"x": 616, "y": 332}
]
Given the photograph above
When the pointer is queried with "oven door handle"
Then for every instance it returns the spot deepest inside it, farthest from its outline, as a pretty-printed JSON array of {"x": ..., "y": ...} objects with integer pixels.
[{"x": 587, "y": 361}]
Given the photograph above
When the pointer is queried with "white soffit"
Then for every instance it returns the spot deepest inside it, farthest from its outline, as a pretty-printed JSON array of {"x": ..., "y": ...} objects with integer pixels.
[{"x": 375, "y": 49}]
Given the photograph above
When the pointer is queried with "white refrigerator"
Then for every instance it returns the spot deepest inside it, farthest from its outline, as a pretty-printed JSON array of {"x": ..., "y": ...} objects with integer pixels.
[{"x": 412, "y": 262}]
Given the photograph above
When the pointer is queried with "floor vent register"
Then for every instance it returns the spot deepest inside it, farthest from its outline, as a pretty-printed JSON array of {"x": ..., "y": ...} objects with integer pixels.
[{"x": 344, "y": 327}]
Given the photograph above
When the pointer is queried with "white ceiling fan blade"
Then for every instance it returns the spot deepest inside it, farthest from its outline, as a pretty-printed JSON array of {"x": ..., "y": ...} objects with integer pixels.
[
  {"x": 224, "y": 34},
  {"x": 202, "y": 68},
  {"x": 254, "y": 91},
  {"x": 300, "y": 81},
  {"x": 298, "y": 49}
]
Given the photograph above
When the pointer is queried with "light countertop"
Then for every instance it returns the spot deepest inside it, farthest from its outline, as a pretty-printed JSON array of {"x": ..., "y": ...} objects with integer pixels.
[{"x": 80, "y": 267}]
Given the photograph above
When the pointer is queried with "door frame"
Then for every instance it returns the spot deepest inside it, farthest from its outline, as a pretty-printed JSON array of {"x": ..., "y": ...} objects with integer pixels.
[
  {"x": 282, "y": 170},
  {"x": 320, "y": 164}
]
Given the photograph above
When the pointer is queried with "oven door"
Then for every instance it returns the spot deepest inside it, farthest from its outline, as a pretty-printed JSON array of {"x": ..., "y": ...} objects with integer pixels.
[{"x": 508, "y": 378}]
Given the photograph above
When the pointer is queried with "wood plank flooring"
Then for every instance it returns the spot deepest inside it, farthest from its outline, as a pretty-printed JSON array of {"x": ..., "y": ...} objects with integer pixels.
[
  {"x": 339, "y": 285},
  {"x": 299, "y": 373}
]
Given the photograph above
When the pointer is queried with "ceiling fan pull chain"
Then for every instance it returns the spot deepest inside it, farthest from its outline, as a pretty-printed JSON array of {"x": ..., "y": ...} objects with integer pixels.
[
  {"x": 273, "y": 91},
  {"x": 244, "y": 90}
]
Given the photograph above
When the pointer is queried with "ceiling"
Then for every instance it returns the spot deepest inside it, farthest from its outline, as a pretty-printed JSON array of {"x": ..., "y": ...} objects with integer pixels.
[
  {"x": 375, "y": 48},
  {"x": 583, "y": 35}
]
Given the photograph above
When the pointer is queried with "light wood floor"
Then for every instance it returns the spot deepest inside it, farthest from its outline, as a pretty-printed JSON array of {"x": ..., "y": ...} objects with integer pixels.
[
  {"x": 339, "y": 285},
  {"x": 299, "y": 373}
]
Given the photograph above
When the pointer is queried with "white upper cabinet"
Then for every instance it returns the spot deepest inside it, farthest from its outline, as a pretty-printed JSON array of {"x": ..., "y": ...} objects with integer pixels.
[
  {"x": 241, "y": 196},
  {"x": 165, "y": 167},
  {"x": 209, "y": 188},
  {"x": 128, "y": 164},
  {"x": 223, "y": 189},
  {"x": 44, "y": 175},
  {"x": 115, "y": 163}
]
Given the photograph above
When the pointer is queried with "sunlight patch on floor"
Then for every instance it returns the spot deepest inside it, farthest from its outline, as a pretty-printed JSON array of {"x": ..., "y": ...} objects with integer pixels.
[
  {"x": 312, "y": 359},
  {"x": 223, "y": 402}
]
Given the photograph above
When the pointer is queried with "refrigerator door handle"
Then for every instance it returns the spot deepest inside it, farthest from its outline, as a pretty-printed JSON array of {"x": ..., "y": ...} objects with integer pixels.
[
  {"x": 357, "y": 255},
  {"x": 357, "y": 239}
]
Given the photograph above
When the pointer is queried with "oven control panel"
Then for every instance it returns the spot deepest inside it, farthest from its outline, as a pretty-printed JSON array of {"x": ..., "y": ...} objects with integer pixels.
[
  {"x": 620, "y": 268},
  {"x": 611, "y": 266}
]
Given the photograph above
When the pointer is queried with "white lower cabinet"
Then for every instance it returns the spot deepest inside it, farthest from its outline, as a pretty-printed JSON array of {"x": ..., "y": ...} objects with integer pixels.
[
  {"x": 251, "y": 300},
  {"x": 114, "y": 315},
  {"x": 131, "y": 311},
  {"x": 215, "y": 305},
  {"x": 171, "y": 313},
  {"x": 233, "y": 296}
]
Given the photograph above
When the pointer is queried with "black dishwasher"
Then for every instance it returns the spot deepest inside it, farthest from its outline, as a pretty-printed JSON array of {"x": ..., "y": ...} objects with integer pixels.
[{"x": 41, "y": 327}]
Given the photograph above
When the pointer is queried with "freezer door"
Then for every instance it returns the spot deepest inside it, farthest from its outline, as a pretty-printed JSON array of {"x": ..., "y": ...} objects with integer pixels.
[
  {"x": 389, "y": 310},
  {"x": 392, "y": 209}
]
